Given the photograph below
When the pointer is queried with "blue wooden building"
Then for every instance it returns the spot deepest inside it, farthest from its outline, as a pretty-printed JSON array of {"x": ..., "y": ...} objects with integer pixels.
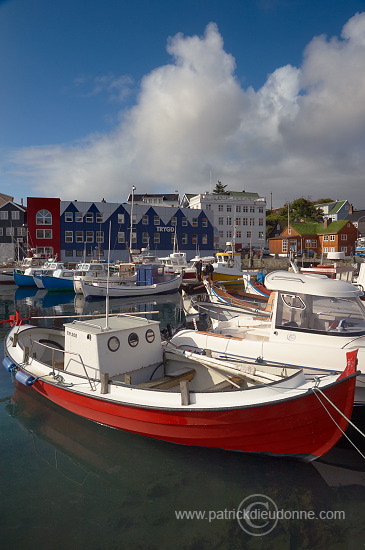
[{"x": 85, "y": 227}]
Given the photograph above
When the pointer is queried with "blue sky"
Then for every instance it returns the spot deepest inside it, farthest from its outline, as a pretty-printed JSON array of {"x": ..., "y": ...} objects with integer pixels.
[{"x": 264, "y": 95}]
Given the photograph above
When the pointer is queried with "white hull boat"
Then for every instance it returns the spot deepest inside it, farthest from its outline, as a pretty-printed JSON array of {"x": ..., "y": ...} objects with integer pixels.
[
  {"x": 315, "y": 321},
  {"x": 102, "y": 289}
]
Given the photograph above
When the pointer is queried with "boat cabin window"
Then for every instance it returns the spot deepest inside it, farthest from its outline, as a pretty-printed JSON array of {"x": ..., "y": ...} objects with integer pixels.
[{"x": 320, "y": 314}]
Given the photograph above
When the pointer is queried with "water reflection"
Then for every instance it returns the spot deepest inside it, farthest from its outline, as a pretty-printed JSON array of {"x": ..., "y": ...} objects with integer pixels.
[{"x": 143, "y": 478}]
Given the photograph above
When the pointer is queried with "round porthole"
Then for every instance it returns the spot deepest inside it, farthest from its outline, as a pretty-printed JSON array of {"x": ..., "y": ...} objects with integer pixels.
[
  {"x": 133, "y": 339},
  {"x": 113, "y": 343},
  {"x": 150, "y": 336}
]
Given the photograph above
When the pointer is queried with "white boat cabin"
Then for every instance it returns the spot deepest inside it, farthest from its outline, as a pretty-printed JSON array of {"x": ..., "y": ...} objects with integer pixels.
[{"x": 97, "y": 342}]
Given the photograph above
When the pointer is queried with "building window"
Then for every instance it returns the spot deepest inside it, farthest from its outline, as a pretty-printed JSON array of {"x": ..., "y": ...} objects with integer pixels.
[
  {"x": 174, "y": 220},
  {"x": 69, "y": 236},
  {"x": 252, "y": 221},
  {"x": 121, "y": 218},
  {"x": 244, "y": 221},
  {"x": 195, "y": 222},
  {"x": 10, "y": 231},
  {"x": 194, "y": 239},
  {"x": 314, "y": 243},
  {"x": 307, "y": 243},
  {"x": 100, "y": 236},
  {"x": 229, "y": 221},
  {"x": 284, "y": 246},
  {"x": 89, "y": 217},
  {"x": 79, "y": 253},
  {"x": 261, "y": 221},
  {"x": 244, "y": 208},
  {"x": 252, "y": 209},
  {"x": 69, "y": 253},
  {"x": 134, "y": 219},
  {"x": 184, "y": 238},
  {"x": 121, "y": 236},
  {"x": 43, "y": 217},
  {"x": 69, "y": 217},
  {"x": 237, "y": 221},
  {"x": 332, "y": 249},
  {"x": 145, "y": 237},
  {"x": 289, "y": 231},
  {"x": 89, "y": 236},
  {"x": 229, "y": 234},
  {"x": 145, "y": 219},
  {"x": 134, "y": 237},
  {"x": 99, "y": 217},
  {"x": 238, "y": 208},
  {"x": 21, "y": 231},
  {"x": 4, "y": 215},
  {"x": 238, "y": 234},
  {"x": 204, "y": 238},
  {"x": 220, "y": 221},
  {"x": 229, "y": 208},
  {"x": 344, "y": 249},
  {"x": 343, "y": 237},
  {"x": 261, "y": 234},
  {"x": 261, "y": 209},
  {"x": 184, "y": 221},
  {"x": 79, "y": 236},
  {"x": 325, "y": 237},
  {"x": 332, "y": 238},
  {"x": 156, "y": 238},
  {"x": 249, "y": 234},
  {"x": 46, "y": 251},
  {"x": 325, "y": 250},
  {"x": 220, "y": 207},
  {"x": 15, "y": 215},
  {"x": 44, "y": 233},
  {"x": 221, "y": 234},
  {"x": 78, "y": 217},
  {"x": 1, "y": 232},
  {"x": 204, "y": 222},
  {"x": 156, "y": 221}
]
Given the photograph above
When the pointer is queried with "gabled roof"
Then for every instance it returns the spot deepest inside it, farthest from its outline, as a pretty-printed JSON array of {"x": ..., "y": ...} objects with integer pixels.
[
  {"x": 333, "y": 207},
  {"x": 313, "y": 228},
  {"x": 19, "y": 206},
  {"x": 356, "y": 215}
]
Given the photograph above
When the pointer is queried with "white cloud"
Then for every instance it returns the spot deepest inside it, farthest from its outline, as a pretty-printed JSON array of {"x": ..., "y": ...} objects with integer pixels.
[{"x": 302, "y": 133}]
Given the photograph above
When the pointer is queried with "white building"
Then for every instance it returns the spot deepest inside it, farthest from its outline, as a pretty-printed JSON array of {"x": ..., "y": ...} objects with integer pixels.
[{"x": 239, "y": 217}]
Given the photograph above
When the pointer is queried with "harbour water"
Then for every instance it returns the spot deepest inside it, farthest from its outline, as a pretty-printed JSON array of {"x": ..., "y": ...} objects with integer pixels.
[{"x": 67, "y": 482}]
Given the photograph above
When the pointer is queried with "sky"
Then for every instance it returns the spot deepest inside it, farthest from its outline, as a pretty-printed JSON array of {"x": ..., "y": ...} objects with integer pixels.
[{"x": 266, "y": 96}]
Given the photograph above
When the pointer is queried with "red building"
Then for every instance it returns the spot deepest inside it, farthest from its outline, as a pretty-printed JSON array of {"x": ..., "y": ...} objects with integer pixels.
[{"x": 43, "y": 215}]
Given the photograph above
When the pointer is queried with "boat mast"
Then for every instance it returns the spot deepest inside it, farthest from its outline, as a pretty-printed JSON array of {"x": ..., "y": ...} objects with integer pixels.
[
  {"x": 107, "y": 281},
  {"x": 131, "y": 226}
]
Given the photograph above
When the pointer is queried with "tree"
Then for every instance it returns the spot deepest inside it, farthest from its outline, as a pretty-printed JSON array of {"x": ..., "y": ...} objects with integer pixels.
[
  {"x": 301, "y": 209},
  {"x": 220, "y": 189}
]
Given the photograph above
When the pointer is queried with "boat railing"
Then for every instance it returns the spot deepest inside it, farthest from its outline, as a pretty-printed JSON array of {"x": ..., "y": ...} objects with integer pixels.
[{"x": 53, "y": 361}]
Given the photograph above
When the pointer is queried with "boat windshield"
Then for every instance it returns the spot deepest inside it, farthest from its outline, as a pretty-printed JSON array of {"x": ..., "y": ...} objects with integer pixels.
[{"x": 324, "y": 315}]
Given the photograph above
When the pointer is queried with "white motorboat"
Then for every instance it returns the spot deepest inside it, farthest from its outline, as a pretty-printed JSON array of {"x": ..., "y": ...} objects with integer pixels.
[
  {"x": 151, "y": 279},
  {"x": 314, "y": 322}
]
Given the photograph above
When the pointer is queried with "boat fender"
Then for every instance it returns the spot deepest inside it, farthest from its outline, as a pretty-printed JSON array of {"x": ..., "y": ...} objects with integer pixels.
[
  {"x": 9, "y": 365},
  {"x": 23, "y": 378}
]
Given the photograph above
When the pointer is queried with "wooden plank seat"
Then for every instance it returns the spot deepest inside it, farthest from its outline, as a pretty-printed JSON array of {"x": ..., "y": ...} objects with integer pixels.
[{"x": 170, "y": 380}]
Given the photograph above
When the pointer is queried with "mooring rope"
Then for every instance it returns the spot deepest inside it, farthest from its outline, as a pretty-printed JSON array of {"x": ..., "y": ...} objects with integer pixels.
[{"x": 343, "y": 415}]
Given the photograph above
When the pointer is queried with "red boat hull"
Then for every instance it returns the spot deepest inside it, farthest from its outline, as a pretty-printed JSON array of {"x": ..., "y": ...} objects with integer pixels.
[{"x": 299, "y": 427}]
